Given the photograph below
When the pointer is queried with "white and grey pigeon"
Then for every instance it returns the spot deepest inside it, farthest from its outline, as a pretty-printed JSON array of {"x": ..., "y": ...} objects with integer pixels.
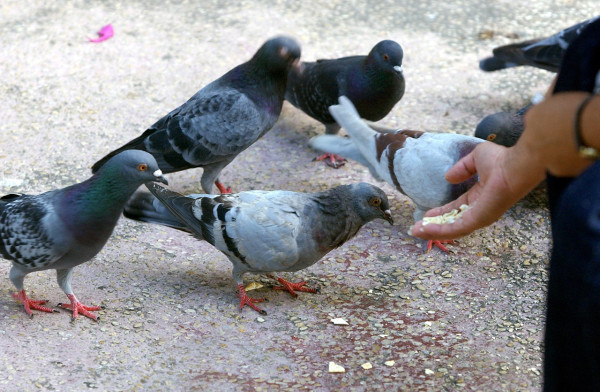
[
  {"x": 266, "y": 231},
  {"x": 63, "y": 228},
  {"x": 545, "y": 53},
  {"x": 222, "y": 119},
  {"x": 414, "y": 162}
]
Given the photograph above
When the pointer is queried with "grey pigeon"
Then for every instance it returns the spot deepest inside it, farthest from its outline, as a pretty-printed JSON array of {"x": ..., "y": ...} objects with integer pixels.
[
  {"x": 63, "y": 228},
  {"x": 544, "y": 53},
  {"x": 414, "y": 162},
  {"x": 374, "y": 83},
  {"x": 222, "y": 119},
  {"x": 267, "y": 232},
  {"x": 502, "y": 128}
]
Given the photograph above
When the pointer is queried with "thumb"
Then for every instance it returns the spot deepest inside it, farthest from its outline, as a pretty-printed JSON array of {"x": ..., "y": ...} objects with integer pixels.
[{"x": 462, "y": 170}]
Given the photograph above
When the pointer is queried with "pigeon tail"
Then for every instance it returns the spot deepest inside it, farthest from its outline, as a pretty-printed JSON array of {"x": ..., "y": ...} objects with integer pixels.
[
  {"x": 363, "y": 137},
  {"x": 142, "y": 206},
  {"x": 491, "y": 64},
  {"x": 340, "y": 146},
  {"x": 179, "y": 205}
]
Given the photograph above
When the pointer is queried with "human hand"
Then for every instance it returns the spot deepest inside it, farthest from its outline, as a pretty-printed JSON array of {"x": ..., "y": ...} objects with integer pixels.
[
  {"x": 505, "y": 176},
  {"x": 508, "y": 174}
]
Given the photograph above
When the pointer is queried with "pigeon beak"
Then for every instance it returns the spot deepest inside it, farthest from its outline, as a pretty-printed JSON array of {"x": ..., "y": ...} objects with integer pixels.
[
  {"x": 298, "y": 66},
  {"x": 398, "y": 69},
  {"x": 387, "y": 215},
  {"x": 159, "y": 177}
]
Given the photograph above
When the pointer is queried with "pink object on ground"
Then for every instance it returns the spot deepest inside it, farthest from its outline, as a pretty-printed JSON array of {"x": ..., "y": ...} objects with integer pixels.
[{"x": 105, "y": 33}]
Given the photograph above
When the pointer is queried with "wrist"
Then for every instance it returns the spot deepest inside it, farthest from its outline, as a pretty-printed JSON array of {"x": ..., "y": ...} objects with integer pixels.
[
  {"x": 527, "y": 157},
  {"x": 549, "y": 138},
  {"x": 583, "y": 149}
]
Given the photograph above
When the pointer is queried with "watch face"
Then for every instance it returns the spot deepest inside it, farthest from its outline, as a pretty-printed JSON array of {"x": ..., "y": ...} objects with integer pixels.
[{"x": 589, "y": 153}]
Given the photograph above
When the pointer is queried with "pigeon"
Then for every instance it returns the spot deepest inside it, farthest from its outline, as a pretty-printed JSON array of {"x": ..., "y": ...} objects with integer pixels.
[
  {"x": 266, "y": 231},
  {"x": 414, "y": 162},
  {"x": 223, "y": 118},
  {"x": 63, "y": 228},
  {"x": 374, "y": 83},
  {"x": 544, "y": 53},
  {"x": 502, "y": 128}
]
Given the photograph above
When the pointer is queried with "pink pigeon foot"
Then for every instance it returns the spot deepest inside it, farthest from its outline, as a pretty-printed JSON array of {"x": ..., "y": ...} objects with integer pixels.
[
  {"x": 439, "y": 243},
  {"x": 332, "y": 160},
  {"x": 31, "y": 304},
  {"x": 292, "y": 287},
  {"x": 245, "y": 300},
  {"x": 77, "y": 307},
  {"x": 222, "y": 188}
]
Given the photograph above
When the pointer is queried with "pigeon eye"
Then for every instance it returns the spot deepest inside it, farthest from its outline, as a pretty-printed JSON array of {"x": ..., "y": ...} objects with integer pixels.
[
  {"x": 142, "y": 167},
  {"x": 284, "y": 52},
  {"x": 491, "y": 137},
  {"x": 375, "y": 202},
  {"x": 386, "y": 57}
]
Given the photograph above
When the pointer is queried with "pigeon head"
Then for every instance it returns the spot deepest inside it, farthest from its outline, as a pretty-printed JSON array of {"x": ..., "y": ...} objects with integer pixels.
[
  {"x": 387, "y": 55},
  {"x": 135, "y": 165},
  {"x": 370, "y": 202},
  {"x": 280, "y": 54},
  {"x": 501, "y": 128}
]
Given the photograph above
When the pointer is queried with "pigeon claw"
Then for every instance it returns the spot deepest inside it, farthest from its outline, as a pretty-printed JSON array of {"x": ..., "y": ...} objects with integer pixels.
[
  {"x": 293, "y": 287},
  {"x": 30, "y": 304},
  {"x": 245, "y": 300},
  {"x": 77, "y": 308},
  {"x": 222, "y": 187},
  {"x": 332, "y": 160},
  {"x": 439, "y": 244}
]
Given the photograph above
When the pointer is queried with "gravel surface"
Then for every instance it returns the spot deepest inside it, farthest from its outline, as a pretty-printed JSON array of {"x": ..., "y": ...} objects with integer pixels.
[{"x": 469, "y": 320}]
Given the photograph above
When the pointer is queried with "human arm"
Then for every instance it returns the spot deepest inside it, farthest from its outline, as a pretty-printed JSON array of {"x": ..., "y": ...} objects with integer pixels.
[{"x": 508, "y": 174}]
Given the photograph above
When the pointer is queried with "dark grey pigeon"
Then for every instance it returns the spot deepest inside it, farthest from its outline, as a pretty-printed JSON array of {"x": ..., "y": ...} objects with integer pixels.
[
  {"x": 267, "y": 232},
  {"x": 222, "y": 119},
  {"x": 502, "y": 128},
  {"x": 63, "y": 228},
  {"x": 414, "y": 162},
  {"x": 544, "y": 53},
  {"x": 374, "y": 83}
]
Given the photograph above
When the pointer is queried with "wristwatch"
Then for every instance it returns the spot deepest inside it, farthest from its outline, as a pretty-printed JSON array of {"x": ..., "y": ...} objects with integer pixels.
[{"x": 583, "y": 150}]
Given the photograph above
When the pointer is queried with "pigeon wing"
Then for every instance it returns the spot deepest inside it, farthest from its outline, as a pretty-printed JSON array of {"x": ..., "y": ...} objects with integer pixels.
[
  {"x": 264, "y": 227},
  {"x": 28, "y": 230},
  {"x": 215, "y": 125}
]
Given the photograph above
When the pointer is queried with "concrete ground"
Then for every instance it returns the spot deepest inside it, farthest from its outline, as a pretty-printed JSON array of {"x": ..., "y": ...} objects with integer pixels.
[{"x": 469, "y": 320}]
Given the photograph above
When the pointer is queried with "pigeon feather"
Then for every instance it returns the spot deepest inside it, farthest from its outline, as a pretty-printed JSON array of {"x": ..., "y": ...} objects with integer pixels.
[
  {"x": 414, "y": 162},
  {"x": 374, "y": 83},
  {"x": 63, "y": 228},
  {"x": 502, "y": 128},
  {"x": 545, "y": 53},
  {"x": 223, "y": 118},
  {"x": 268, "y": 231}
]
